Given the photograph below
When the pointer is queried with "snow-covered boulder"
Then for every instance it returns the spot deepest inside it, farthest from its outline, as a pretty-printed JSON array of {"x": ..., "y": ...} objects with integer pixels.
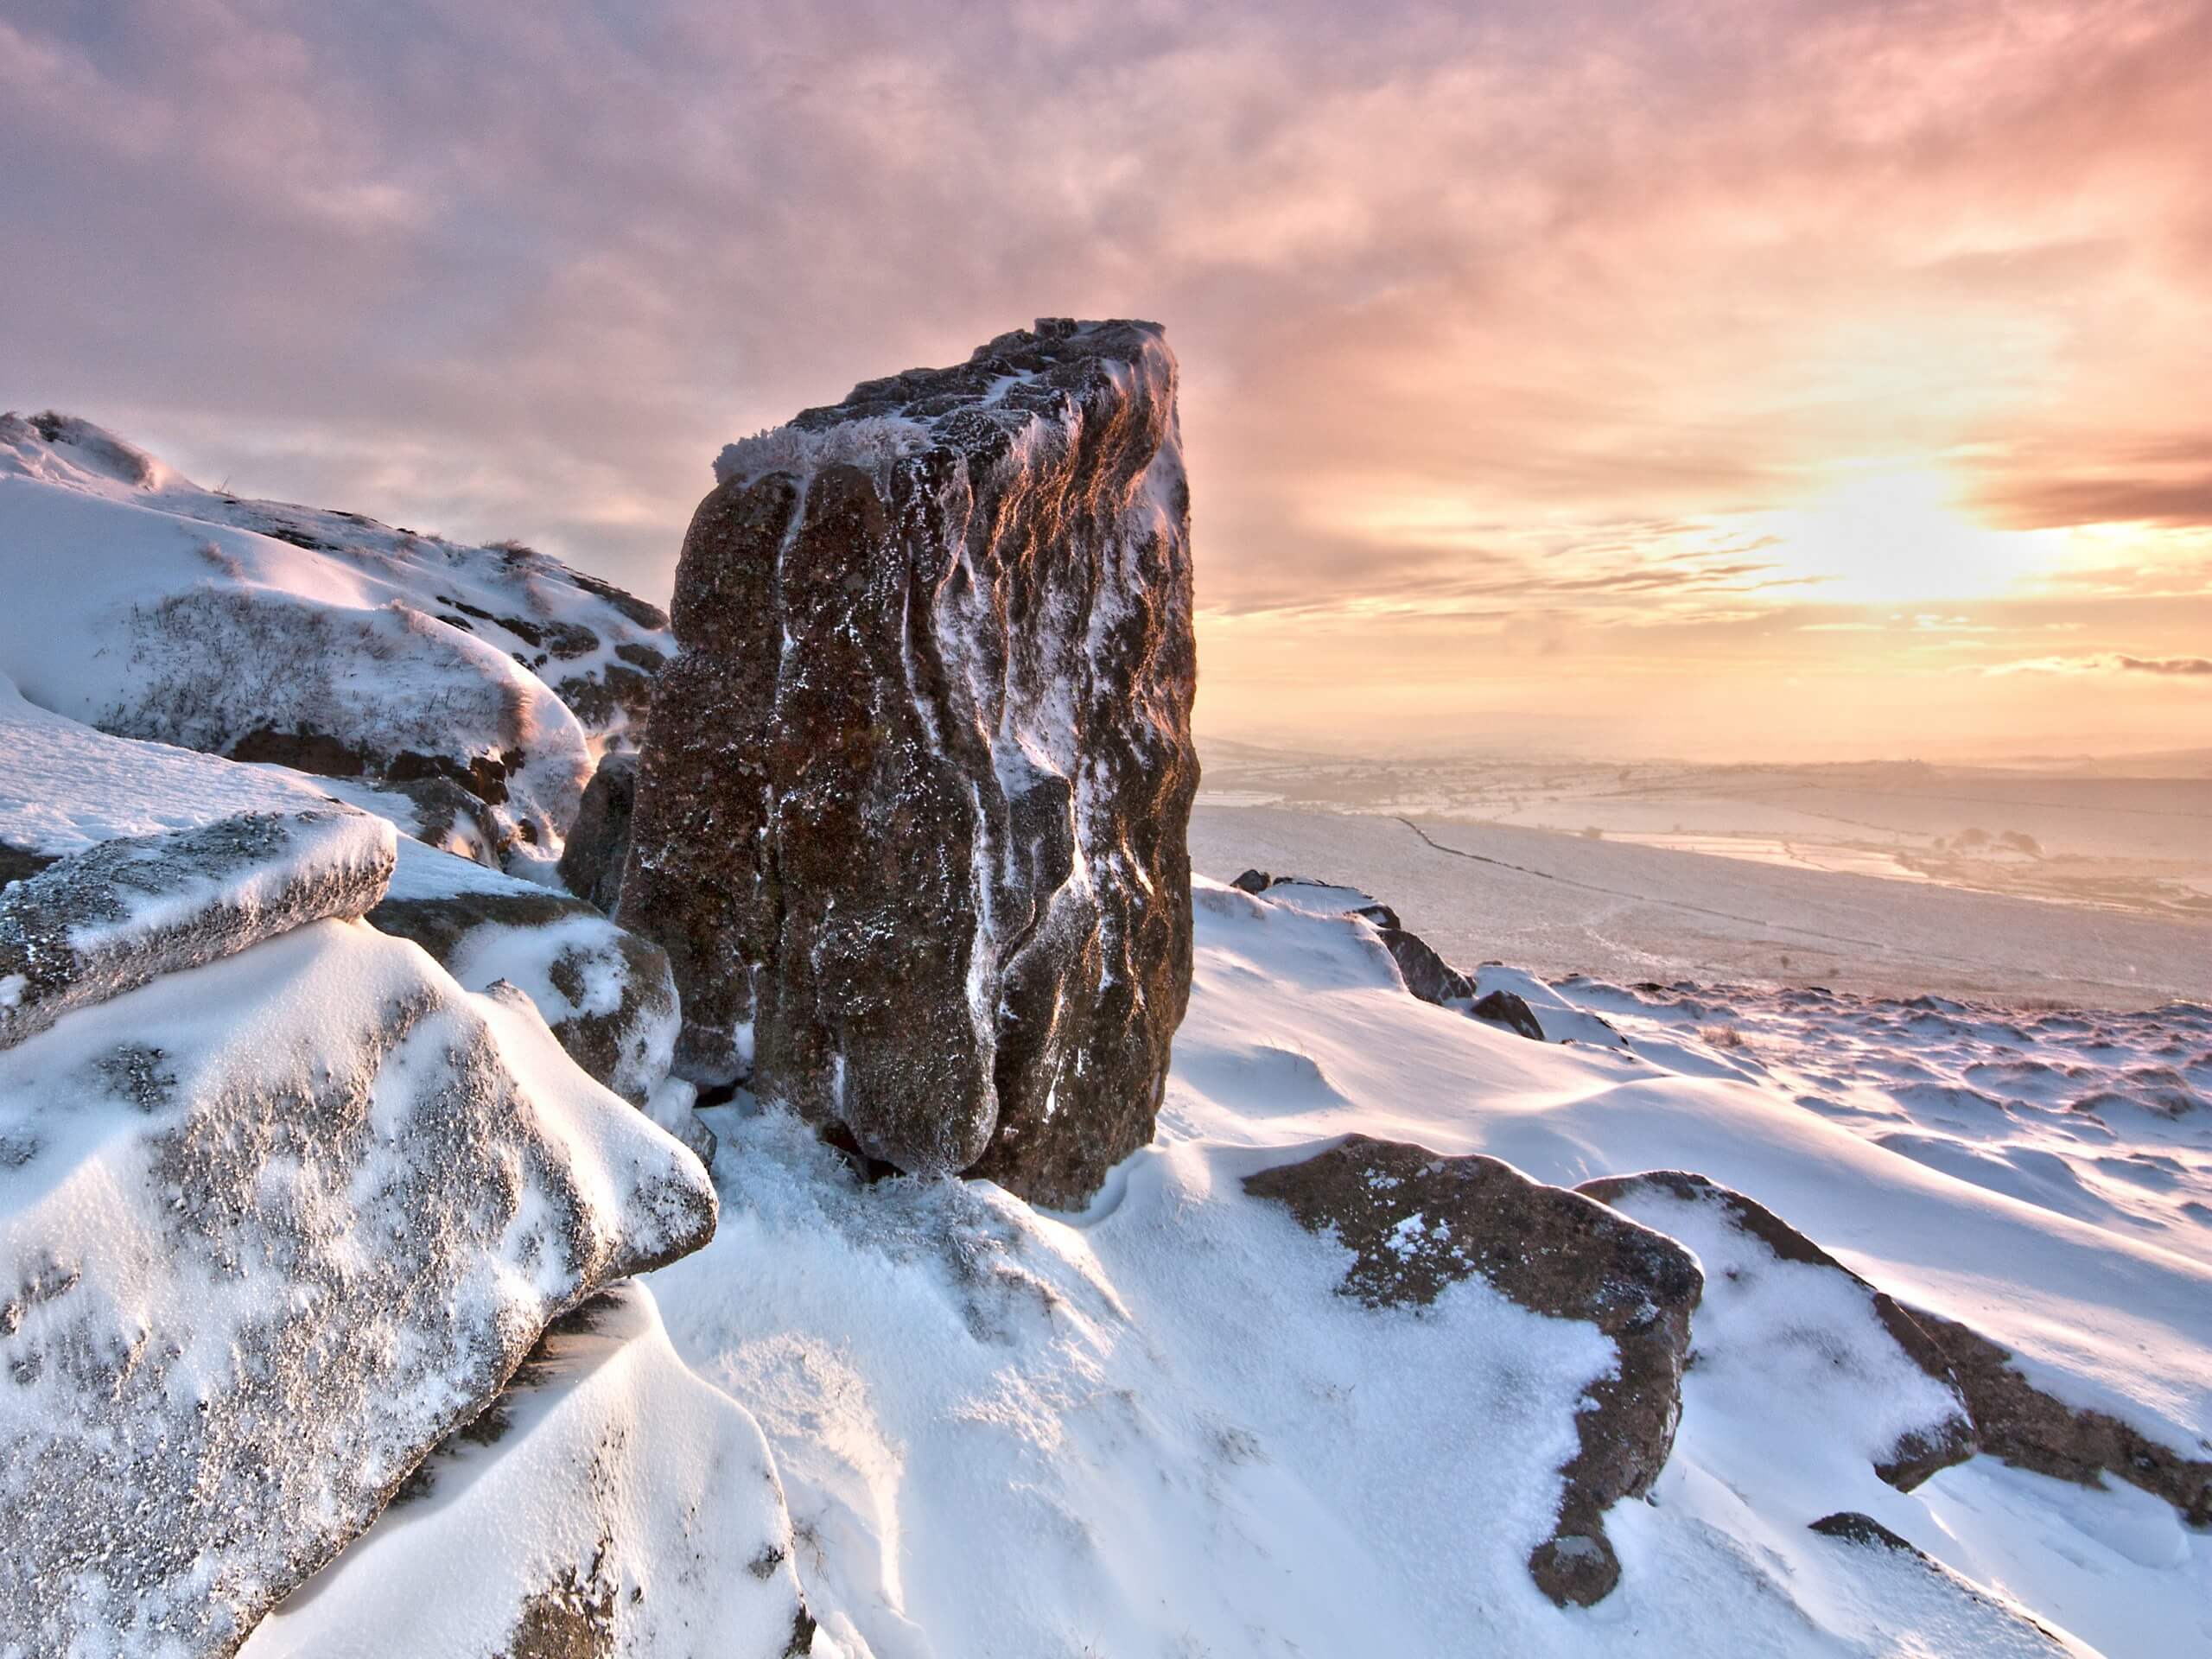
[
  {"x": 1785, "y": 1322},
  {"x": 88, "y": 927},
  {"x": 599, "y": 841},
  {"x": 1415, "y": 1222},
  {"x": 271, "y": 1229},
  {"x": 607, "y": 1505},
  {"x": 66, "y": 791},
  {"x": 910, "y": 820},
  {"x": 1426, "y": 974},
  {"x": 145, "y": 605},
  {"x": 606, "y": 993}
]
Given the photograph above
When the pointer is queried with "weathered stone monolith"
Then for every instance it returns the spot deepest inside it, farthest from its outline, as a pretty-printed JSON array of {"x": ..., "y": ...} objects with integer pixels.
[{"x": 911, "y": 815}]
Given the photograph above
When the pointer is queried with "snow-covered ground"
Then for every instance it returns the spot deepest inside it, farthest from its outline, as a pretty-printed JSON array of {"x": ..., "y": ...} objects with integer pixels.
[{"x": 1153, "y": 1428}]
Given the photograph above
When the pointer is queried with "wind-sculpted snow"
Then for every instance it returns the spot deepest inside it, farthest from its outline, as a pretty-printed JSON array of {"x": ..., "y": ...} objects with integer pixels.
[
  {"x": 1783, "y": 1321},
  {"x": 270, "y": 1229},
  {"x": 607, "y": 1505},
  {"x": 911, "y": 819},
  {"x": 90, "y": 927},
  {"x": 146, "y": 606},
  {"x": 1415, "y": 1222}
]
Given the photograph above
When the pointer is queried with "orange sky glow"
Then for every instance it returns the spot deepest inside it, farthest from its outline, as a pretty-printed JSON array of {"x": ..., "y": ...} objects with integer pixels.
[{"x": 1723, "y": 379}]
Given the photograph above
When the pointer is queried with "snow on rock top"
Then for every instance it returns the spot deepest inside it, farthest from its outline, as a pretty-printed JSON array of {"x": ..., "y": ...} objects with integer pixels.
[
  {"x": 270, "y": 1229},
  {"x": 911, "y": 821},
  {"x": 608, "y": 1503},
  {"x": 103, "y": 921},
  {"x": 147, "y": 605},
  {"x": 67, "y": 790}
]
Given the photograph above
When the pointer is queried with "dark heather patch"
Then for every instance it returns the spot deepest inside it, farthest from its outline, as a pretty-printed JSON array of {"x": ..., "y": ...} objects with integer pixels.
[
  {"x": 837, "y": 838},
  {"x": 801, "y": 1637},
  {"x": 1918, "y": 1454},
  {"x": 1550, "y": 1250},
  {"x": 139, "y": 1075},
  {"x": 573, "y": 1617}
]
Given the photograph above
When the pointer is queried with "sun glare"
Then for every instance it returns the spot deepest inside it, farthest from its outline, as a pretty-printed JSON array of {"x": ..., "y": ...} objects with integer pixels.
[{"x": 1900, "y": 533}]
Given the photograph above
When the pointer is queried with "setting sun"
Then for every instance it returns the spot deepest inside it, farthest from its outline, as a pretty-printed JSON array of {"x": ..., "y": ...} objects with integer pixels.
[{"x": 1901, "y": 534}]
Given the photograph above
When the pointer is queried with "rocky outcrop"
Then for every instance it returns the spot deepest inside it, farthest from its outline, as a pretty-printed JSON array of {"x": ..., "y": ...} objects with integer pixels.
[
  {"x": 2025, "y": 1426},
  {"x": 910, "y": 820},
  {"x": 1780, "y": 1308},
  {"x": 270, "y": 1229},
  {"x": 323, "y": 641},
  {"x": 1510, "y": 1010},
  {"x": 88, "y": 927},
  {"x": 608, "y": 1505},
  {"x": 1427, "y": 974},
  {"x": 599, "y": 841},
  {"x": 1416, "y": 1222},
  {"x": 608, "y": 994}
]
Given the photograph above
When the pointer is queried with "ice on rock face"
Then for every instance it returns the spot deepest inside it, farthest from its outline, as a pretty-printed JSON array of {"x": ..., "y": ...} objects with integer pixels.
[
  {"x": 270, "y": 1229},
  {"x": 912, "y": 812},
  {"x": 90, "y": 927}
]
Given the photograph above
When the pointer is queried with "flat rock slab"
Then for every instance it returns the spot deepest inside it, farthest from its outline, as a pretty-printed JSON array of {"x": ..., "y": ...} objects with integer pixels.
[
  {"x": 270, "y": 1229},
  {"x": 92, "y": 926},
  {"x": 911, "y": 816},
  {"x": 1786, "y": 1323},
  {"x": 1416, "y": 1221}
]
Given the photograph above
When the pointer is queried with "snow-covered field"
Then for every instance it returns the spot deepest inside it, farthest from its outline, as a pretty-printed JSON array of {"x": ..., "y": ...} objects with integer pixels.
[{"x": 1563, "y": 903}]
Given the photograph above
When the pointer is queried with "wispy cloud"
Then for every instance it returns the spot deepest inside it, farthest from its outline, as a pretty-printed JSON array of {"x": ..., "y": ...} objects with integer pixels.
[
  {"x": 2107, "y": 663},
  {"x": 1500, "y": 314}
]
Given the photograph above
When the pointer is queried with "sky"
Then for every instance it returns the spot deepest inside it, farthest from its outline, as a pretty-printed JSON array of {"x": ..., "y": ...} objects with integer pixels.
[{"x": 1720, "y": 379}]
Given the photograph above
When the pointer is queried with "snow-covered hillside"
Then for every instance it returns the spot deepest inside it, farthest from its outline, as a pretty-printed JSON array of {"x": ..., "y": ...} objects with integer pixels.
[
  {"x": 1896, "y": 1336},
  {"x": 145, "y": 605},
  {"x": 1154, "y": 1428}
]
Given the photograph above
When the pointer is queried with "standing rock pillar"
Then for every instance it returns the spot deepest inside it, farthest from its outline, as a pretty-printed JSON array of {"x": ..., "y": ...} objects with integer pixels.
[{"x": 912, "y": 811}]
